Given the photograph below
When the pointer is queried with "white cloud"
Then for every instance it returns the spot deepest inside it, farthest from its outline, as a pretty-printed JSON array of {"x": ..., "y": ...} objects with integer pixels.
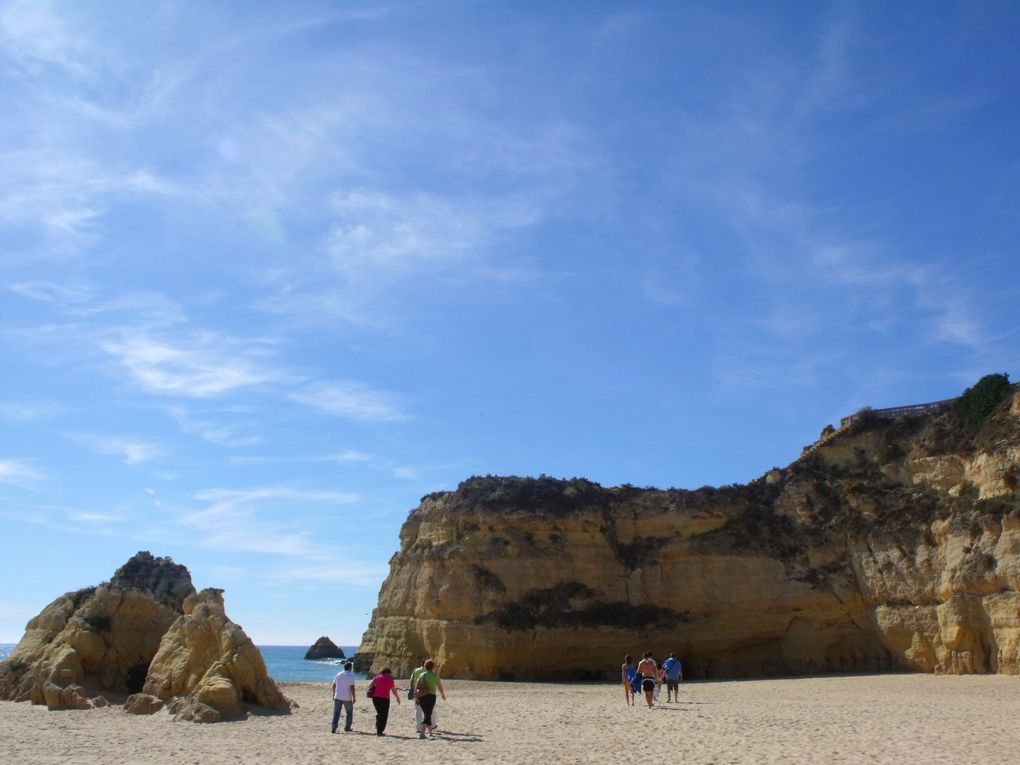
[
  {"x": 380, "y": 237},
  {"x": 216, "y": 432},
  {"x": 94, "y": 518},
  {"x": 348, "y": 457},
  {"x": 28, "y": 411},
  {"x": 69, "y": 520},
  {"x": 351, "y": 573},
  {"x": 21, "y": 473},
  {"x": 203, "y": 366},
  {"x": 33, "y": 33},
  {"x": 351, "y": 400},
  {"x": 233, "y": 519},
  {"x": 133, "y": 451}
]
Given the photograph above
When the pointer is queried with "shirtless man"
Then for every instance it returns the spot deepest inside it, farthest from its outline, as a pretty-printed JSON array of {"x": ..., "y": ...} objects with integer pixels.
[{"x": 646, "y": 668}]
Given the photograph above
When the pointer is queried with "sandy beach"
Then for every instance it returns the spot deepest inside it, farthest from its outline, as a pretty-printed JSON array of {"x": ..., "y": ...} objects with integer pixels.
[{"x": 888, "y": 718}]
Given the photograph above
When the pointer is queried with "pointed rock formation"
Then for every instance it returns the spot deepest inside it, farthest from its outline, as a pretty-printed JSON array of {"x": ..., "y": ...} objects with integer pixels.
[
  {"x": 207, "y": 669},
  {"x": 145, "y": 633},
  {"x": 324, "y": 648},
  {"x": 97, "y": 642}
]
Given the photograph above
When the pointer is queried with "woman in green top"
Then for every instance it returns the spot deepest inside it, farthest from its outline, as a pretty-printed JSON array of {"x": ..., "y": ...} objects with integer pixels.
[{"x": 429, "y": 682}]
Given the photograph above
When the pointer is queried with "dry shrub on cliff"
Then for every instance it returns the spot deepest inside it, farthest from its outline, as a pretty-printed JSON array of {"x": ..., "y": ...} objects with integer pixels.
[{"x": 979, "y": 401}]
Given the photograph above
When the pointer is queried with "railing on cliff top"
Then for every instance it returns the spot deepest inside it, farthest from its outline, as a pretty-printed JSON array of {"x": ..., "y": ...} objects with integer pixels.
[{"x": 896, "y": 411}]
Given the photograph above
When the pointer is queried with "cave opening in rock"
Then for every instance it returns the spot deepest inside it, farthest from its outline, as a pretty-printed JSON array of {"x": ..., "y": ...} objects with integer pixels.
[{"x": 136, "y": 677}]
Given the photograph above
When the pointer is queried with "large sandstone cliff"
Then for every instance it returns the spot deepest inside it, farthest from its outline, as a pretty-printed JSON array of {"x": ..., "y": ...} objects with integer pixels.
[{"x": 892, "y": 544}]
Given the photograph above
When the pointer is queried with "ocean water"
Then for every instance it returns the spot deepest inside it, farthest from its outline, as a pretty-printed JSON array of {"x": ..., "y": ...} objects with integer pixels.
[
  {"x": 284, "y": 663},
  {"x": 287, "y": 664}
]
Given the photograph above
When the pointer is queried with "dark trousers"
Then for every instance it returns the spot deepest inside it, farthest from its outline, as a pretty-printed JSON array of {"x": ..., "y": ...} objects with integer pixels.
[
  {"x": 382, "y": 713},
  {"x": 428, "y": 703}
]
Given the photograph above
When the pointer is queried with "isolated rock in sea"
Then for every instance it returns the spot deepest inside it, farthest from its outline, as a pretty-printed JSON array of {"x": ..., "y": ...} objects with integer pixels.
[
  {"x": 97, "y": 642},
  {"x": 207, "y": 669},
  {"x": 324, "y": 648},
  {"x": 891, "y": 544}
]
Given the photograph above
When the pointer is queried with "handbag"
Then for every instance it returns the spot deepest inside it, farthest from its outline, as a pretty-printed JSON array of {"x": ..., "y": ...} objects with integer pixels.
[
  {"x": 371, "y": 688},
  {"x": 410, "y": 694}
]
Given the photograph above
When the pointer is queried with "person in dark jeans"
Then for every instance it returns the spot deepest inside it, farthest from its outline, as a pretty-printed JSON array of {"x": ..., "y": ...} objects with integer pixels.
[
  {"x": 430, "y": 683},
  {"x": 344, "y": 697},
  {"x": 379, "y": 691}
]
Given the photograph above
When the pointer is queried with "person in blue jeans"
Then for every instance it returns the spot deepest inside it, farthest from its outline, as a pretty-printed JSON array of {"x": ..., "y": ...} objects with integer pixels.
[
  {"x": 674, "y": 676},
  {"x": 344, "y": 696}
]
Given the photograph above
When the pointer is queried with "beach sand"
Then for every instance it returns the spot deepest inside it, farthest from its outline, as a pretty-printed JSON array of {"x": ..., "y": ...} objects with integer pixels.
[{"x": 878, "y": 718}]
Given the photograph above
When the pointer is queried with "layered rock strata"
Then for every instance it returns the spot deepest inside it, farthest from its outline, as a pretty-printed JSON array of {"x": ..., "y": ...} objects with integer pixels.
[
  {"x": 145, "y": 637},
  {"x": 891, "y": 545}
]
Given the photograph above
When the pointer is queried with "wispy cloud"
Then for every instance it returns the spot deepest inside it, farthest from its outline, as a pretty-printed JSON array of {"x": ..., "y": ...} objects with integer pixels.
[
  {"x": 133, "y": 451},
  {"x": 206, "y": 426},
  {"x": 380, "y": 236},
  {"x": 29, "y": 411},
  {"x": 821, "y": 279},
  {"x": 69, "y": 520},
  {"x": 234, "y": 519},
  {"x": 32, "y": 33},
  {"x": 350, "y": 573},
  {"x": 201, "y": 366},
  {"x": 96, "y": 519},
  {"x": 351, "y": 400},
  {"x": 143, "y": 308},
  {"x": 21, "y": 473},
  {"x": 348, "y": 458}
]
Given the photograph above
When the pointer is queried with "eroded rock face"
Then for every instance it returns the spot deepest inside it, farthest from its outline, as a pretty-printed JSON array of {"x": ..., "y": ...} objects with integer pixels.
[
  {"x": 324, "y": 648},
  {"x": 94, "y": 644},
  {"x": 891, "y": 545},
  {"x": 145, "y": 638},
  {"x": 207, "y": 669}
]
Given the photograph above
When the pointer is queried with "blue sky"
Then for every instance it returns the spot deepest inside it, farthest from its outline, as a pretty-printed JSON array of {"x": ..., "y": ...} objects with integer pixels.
[{"x": 272, "y": 272}]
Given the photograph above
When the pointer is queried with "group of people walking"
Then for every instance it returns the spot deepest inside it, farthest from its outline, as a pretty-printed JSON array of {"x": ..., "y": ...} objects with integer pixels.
[
  {"x": 648, "y": 676},
  {"x": 425, "y": 685}
]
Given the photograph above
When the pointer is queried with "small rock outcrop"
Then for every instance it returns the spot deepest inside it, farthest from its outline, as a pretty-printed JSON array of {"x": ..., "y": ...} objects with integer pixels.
[
  {"x": 144, "y": 638},
  {"x": 94, "y": 645},
  {"x": 207, "y": 669},
  {"x": 324, "y": 648}
]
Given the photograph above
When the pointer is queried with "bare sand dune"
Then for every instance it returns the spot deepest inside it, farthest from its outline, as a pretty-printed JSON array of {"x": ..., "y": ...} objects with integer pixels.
[{"x": 888, "y": 718}]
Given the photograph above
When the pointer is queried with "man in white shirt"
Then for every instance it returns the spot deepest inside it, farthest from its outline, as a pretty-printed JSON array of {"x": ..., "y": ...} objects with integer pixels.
[{"x": 343, "y": 696}]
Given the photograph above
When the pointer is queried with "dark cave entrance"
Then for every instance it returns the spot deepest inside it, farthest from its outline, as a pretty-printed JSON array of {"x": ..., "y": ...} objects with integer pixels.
[{"x": 136, "y": 677}]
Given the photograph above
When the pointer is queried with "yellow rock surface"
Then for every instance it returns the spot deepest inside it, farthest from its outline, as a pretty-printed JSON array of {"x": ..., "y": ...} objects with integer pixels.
[
  {"x": 206, "y": 666},
  {"x": 145, "y": 638},
  {"x": 890, "y": 545}
]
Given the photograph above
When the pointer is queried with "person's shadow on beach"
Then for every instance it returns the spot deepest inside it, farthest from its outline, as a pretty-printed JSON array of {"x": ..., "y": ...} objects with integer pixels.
[
  {"x": 459, "y": 738},
  {"x": 444, "y": 735}
]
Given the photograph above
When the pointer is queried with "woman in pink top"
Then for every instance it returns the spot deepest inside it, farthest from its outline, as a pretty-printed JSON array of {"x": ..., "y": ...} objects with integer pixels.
[{"x": 379, "y": 691}]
